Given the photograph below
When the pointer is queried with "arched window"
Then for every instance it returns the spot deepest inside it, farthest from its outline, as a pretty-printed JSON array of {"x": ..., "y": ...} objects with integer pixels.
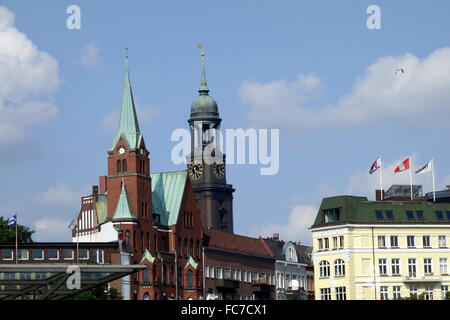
[
  {"x": 191, "y": 248},
  {"x": 190, "y": 219},
  {"x": 148, "y": 241},
  {"x": 127, "y": 241},
  {"x": 339, "y": 267},
  {"x": 185, "y": 247},
  {"x": 324, "y": 268},
  {"x": 142, "y": 241},
  {"x": 145, "y": 275},
  {"x": 189, "y": 278},
  {"x": 146, "y": 296},
  {"x": 119, "y": 166},
  {"x": 163, "y": 244},
  {"x": 179, "y": 276},
  {"x": 164, "y": 273},
  {"x": 171, "y": 275},
  {"x": 134, "y": 241},
  {"x": 179, "y": 246},
  {"x": 124, "y": 165}
]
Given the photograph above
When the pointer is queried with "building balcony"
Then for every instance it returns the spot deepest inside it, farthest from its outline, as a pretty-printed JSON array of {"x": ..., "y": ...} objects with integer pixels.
[
  {"x": 421, "y": 279},
  {"x": 259, "y": 287},
  {"x": 227, "y": 283}
]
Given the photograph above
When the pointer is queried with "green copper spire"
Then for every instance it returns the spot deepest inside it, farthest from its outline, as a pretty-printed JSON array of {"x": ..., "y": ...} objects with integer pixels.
[
  {"x": 123, "y": 210},
  {"x": 203, "y": 90},
  {"x": 128, "y": 126}
]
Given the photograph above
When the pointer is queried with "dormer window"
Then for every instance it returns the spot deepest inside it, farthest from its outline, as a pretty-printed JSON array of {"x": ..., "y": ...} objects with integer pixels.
[{"x": 331, "y": 215}]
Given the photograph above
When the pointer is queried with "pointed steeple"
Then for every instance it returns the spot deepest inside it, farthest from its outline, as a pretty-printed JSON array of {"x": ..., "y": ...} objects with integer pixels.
[
  {"x": 123, "y": 210},
  {"x": 128, "y": 126},
  {"x": 203, "y": 90}
]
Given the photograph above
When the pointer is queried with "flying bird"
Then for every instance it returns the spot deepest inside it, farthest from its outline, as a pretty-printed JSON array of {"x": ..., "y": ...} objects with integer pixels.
[{"x": 399, "y": 70}]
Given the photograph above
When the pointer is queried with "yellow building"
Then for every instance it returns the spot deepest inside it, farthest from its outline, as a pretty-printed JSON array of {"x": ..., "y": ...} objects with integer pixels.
[{"x": 365, "y": 250}]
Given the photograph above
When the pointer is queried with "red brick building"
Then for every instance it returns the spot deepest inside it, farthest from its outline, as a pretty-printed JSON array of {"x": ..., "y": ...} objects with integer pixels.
[
  {"x": 237, "y": 267},
  {"x": 154, "y": 216}
]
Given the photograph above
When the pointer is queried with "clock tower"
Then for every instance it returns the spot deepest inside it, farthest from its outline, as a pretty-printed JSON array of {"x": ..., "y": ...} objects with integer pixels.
[{"x": 206, "y": 163}]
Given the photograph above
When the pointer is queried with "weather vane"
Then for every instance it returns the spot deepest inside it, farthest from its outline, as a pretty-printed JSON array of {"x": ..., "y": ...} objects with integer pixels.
[{"x": 201, "y": 47}]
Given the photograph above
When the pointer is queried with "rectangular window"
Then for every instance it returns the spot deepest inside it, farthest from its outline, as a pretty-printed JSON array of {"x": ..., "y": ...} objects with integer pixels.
[
  {"x": 331, "y": 215},
  {"x": 218, "y": 273},
  {"x": 341, "y": 242},
  {"x": 439, "y": 215},
  {"x": 381, "y": 241},
  {"x": 320, "y": 241},
  {"x": 211, "y": 272},
  {"x": 426, "y": 241},
  {"x": 384, "y": 293},
  {"x": 442, "y": 242},
  {"x": 412, "y": 270},
  {"x": 395, "y": 262},
  {"x": 413, "y": 291},
  {"x": 394, "y": 241},
  {"x": 245, "y": 276},
  {"x": 379, "y": 214},
  {"x": 326, "y": 244},
  {"x": 68, "y": 254},
  {"x": 411, "y": 241},
  {"x": 335, "y": 242},
  {"x": 389, "y": 214},
  {"x": 83, "y": 254},
  {"x": 428, "y": 293},
  {"x": 397, "y": 292},
  {"x": 447, "y": 213},
  {"x": 206, "y": 271},
  {"x": 443, "y": 268},
  {"x": 22, "y": 254},
  {"x": 53, "y": 254},
  {"x": 410, "y": 215},
  {"x": 325, "y": 294},
  {"x": 98, "y": 255},
  {"x": 37, "y": 254},
  {"x": 444, "y": 290},
  {"x": 239, "y": 275},
  {"x": 382, "y": 266},
  {"x": 227, "y": 274},
  {"x": 427, "y": 266},
  {"x": 341, "y": 293},
  {"x": 419, "y": 215},
  {"x": 7, "y": 254}
]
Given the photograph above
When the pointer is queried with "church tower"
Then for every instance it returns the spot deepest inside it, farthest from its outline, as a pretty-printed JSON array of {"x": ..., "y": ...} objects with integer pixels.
[
  {"x": 129, "y": 200},
  {"x": 206, "y": 163}
]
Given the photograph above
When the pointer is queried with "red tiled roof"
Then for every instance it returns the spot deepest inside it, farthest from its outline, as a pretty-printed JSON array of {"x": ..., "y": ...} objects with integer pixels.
[{"x": 236, "y": 243}]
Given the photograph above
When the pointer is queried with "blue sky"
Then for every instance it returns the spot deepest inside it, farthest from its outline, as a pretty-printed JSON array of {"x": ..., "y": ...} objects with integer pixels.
[{"x": 311, "y": 69}]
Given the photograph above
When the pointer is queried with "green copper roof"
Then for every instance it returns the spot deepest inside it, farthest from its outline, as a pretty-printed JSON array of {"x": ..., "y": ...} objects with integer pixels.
[
  {"x": 191, "y": 262},
  {"x": 123, "y": 210},
  {"x": 128, "y": 126},
  {"x": 147, "y": 256},
  {"x": 203, "y": 90},
  {"x": 360, "y": 210},
  {"x": 167, "y": 194},
  {"x": 204, "y": 105}
]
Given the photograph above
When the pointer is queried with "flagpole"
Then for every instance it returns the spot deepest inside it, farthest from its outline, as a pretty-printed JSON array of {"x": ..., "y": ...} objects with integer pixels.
[
  {"x": 410, "y": 177},
  {"x": 432, "y": 174},
  {"x": 16, "y": 240},
  {"x": 381, "y": 180}
]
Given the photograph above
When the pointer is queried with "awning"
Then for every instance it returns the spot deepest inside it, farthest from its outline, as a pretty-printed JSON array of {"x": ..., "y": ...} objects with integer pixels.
[{"x": 49, "y": 281}]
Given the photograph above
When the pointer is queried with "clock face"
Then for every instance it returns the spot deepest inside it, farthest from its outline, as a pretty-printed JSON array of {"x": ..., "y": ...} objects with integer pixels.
[
  {"x": 121, "y": 150},
  {"x": 219, "y": 170},
  {"x": 195, "y": 170}
]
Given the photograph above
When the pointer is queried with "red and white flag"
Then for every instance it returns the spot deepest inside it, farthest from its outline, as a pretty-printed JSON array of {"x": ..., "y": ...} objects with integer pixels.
[{"x": 403, "y": 166}]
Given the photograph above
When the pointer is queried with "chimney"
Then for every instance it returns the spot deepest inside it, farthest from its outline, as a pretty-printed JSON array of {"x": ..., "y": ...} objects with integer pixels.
[
  {"x": 378, "y": 195},
  {"x": 103, "y": 185},
  {"x": 276, "y": 236},
  {"x": 94, "y": 190}
]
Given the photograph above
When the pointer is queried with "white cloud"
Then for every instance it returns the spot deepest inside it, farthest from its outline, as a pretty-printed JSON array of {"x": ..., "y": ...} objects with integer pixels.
[
  {"x": 52, "y": 229},
  {"x": 28, "y": 78},
  {"x": 301, "y": 218},
  {"x": 419, "y": 95},
  {"x": 145, "y": 114},
  {"x": 89, "y": 55},
  {"x": 61, "y": 196}
]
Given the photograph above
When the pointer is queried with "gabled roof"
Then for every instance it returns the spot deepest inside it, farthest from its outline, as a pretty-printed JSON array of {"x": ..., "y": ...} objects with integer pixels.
[
  {"x": 147, "y": 256},
  {"x": 191, "y": 262},
  {"x": 167, "y": 194},
  {"x": 128, "y": 126},
  {"x": 123, "y": 210}
]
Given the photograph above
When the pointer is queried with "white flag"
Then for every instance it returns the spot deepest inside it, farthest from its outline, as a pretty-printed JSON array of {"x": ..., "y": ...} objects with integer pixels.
[{"x": 426, "y": 168}]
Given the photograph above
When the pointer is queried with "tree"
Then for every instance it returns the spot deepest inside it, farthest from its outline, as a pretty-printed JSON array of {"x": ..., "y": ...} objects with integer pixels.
[
  {"x": 8, "y": 234},
  {"x": 447, "y": 295}
]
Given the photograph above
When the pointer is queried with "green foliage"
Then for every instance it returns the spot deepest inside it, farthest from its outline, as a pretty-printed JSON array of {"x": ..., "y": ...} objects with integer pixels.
[
  {"x": 414, "y": 297},
  {"x": 98, "y": 293},
  {"x": 447, "y": 295},
  {"x": 8, "y": 234}
]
